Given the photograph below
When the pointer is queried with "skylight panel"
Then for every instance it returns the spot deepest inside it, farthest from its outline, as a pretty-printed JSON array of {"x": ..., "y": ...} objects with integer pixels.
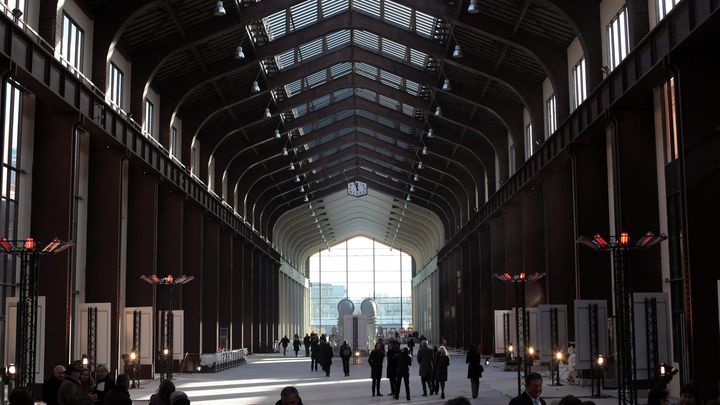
[
  {"x": 366, "y": 70},
  {"x": 366, "y": 114},
  {"x": 341, "y": 69},
  {"x": 321, "y": 102},
  {"x": 385, "y": 121},
  {"x": 418, "y": 58},
  {"x": 275, "y": 25},
  {"x": 332, "y": 7},
  {"x": 367, "y": 40},
  {"x": 338, "y": 39},
  {"x": 424, "y": 24},
  {"x": 323, "y": 122},
  {"x": 311, "y": 49},
  {"x": 405, "y": 129},
  {"x": 366, "y": 94},
  {"x": 303, "y": 14},
  {"x": 397, "y": 14},
  {"x": 293, "y": 88},
  {"x": 343, "y": 114},
  {"x": 343, "y": 94},
  {"x": 408, "y": 110},
  {"x": 412, "y": 87},
  {"x": 394, "y": 49},
  {"x": 300, "y": 110},
  {"x": 316, "y": 78},
  {"x": 390, "y": 79},
  {"x": 285, "y": 59},
  {"x": 371, "y": 7},
  {"x": 388, "y": 102}
]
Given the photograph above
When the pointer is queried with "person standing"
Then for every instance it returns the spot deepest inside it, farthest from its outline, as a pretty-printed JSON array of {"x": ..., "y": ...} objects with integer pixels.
[
  {"x": 475, "y": 369},
  {"x": 314, "y": 355},
  {"x": 391, "y": 364},
  {"x": 376, "y": 361},
  {"x": 162, "y": 396},
  {"x": 411, "y": 345},
  {"x": 104, "y": 382},
  {"x": 425, "y": 364},
  {"x": 284, "y": 343},
  {"x": 70, "y": 392},
  {"x": 306, "y": 343},
  {"x": 403, "y": 361},
  {"x": 441, "y": 369},
  {"x": 118, "y": 394},
  {"x": 51, "y": 387},
  {"x": 533, "y": 390},
  {"x": 435, "y": 385},
  {"x": 325, "y": 355},
  {"x": 296, "y": 344},
  {"x": 345, "y": 354}
]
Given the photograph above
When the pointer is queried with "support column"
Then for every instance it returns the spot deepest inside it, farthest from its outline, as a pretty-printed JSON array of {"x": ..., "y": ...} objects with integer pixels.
[
  {"x": 106, "y": 198},
  {"x": 142, "y": 235},
  {"x": 533, "y": 243},
  {"x": 257, "y": 286},
  {"x": 52, "y": 216},
  {"x": 209, "y": 297},
  {"x": 249, "y": 286},
  {"x": 225, "y": 281},
  {"x": 193, "y": 265},
  {"x": 237, "y": 292},
  {"x": 482, "y": 288},
  {"x": 170, "y": 237}
]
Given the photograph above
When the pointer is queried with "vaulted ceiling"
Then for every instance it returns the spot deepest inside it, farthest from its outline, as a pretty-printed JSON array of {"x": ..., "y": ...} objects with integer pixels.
[{"x": 353, "y": 89}]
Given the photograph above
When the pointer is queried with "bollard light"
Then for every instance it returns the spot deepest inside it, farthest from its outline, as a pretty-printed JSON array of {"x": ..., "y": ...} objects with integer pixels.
[{"x": 85, "y": 360}]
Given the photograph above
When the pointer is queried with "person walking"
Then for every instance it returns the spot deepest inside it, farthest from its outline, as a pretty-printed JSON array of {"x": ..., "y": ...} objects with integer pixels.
[
  {"x": 345, "y": 354},
  {"x": 284, "y": 343},
  {"x": 314, "y": 352},
  {"x": 475, "y": 369},
  {"x": 435, "y": 385},
  {"x": 441, "y": 369},
  {"x": 376, "y": 361},
  {"x": 325, "y": 355},
  {"x": 391, "y": 364},
  {"x": 306, "y": 343},
  {"x": 403, "y": 361},
  {"x": 425, "y": 364},
  {"x": 411, "y": 345},
  {"x": 296, "y": 344}
]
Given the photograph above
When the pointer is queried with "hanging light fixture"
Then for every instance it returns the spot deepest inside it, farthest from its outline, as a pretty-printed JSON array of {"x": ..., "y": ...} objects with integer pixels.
[
  {"x": 438, "y": 111},
  {"x": 408, "y": 198},
  {"x": 473, "y": 7},
  {"x": 446, "y": 85},
  {"x": 292, "y": 166},
  {"x": 457, "y": 52},
  {"x": 284, "y": 152},
  {"x": 420, "y": 165},
  {"x": 302, "y": 188},
  {"x": 239, "y": 54},
  {"x": 430, "y": 133},
  {"x": 297, "y": 179},
  {"x": 416, "y": 177},
  {"x": 255, "y": 87},
  {"x": 412, "y": 188},
  {"x": 310, "y": 207},
  {"x": 219, "y": 9},
  {"x": 268, "y": 114},
  {"x": 424, "y": 150},
  {"x": 277, "y": 134},
  {"x": 306, "y": 199}
]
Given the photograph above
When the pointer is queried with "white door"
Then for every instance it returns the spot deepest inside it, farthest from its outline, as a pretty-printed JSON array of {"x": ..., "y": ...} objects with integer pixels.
[
  {"x": 103, "y": 331},
  {"x": 11, "y": 334}
]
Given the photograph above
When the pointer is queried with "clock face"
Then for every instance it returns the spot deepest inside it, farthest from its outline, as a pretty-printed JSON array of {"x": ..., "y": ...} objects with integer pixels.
[{"x": 357, "y": 188}]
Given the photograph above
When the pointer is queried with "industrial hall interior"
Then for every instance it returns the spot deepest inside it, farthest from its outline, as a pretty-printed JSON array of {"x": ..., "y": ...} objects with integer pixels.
[{"x": 437, "y": 201}]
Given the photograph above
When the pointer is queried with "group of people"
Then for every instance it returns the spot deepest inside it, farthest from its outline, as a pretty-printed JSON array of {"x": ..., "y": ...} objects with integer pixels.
[
  {"x": 74, "y": 385},
  {"x": 284, "y": 342}
]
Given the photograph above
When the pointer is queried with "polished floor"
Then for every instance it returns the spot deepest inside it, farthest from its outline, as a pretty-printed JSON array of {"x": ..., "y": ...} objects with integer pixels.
[{"x": 262, "y": 378}]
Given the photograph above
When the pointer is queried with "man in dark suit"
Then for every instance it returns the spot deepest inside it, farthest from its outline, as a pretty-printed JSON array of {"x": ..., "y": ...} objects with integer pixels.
[{"x": 533, "y": 389}]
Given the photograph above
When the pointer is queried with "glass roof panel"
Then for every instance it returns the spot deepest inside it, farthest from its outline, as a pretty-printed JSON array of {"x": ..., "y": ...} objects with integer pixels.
[
  {"x": 366, "y": 39},
  {"x": 293, "y": 88},
  {"x": 397, "y": 14},
  {"x": 274, "y": 25},
  {"x": 418, "y": 58},
  {"x": 303, "y": 14},
  {"x": 338, "y": 39},
  {"x": 390, "y": 79},
  {"x": 285, "y": 59},
  {"x": 332, "y": 7},
  {"x": 394, "y": 49},
  {"x": 366, "y": 94},
  {"x": 340, "y": 69},
  {"x": 311, "y": 49},
  {"x": 371, "y": 7},
  {"x": 316, "y": 78},
  {"x": 424, "y": 24}
]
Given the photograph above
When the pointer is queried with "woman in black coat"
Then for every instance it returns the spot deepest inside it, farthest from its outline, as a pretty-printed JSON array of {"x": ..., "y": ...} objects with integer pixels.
[
  {"x": 475, "y": 369},
  {"x": 376, "y": 361},
  {"x": 391, "y": 364},
  {"x": 442, "y": 361}
]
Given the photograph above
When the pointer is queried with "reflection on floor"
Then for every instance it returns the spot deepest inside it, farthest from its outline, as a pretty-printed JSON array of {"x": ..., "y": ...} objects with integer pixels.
[{"x": 261, "y": 380}]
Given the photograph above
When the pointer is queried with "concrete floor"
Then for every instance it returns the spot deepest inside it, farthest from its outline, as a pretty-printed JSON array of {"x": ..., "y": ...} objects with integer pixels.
[{"x": 263, "y": 377}]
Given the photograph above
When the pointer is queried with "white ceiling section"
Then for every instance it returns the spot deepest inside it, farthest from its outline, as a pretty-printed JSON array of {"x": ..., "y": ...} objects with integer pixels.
[{"x": 341, "y": 216}]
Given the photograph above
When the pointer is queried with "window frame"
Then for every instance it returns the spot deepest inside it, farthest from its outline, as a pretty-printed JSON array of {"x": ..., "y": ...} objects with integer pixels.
[
  {"x": 529, "y": 141},
  {"x": 668, "y": 108},
  {"x": 149, "y": 121},
  {"x": 618, "y": 38},
  {"x": 68, "y": 23},
  {"x": 662, "y": 9},
  {"x": 579, "y": 87},
  {"x": 116, "y": 81},
  {"x": 550, "y": 115}
]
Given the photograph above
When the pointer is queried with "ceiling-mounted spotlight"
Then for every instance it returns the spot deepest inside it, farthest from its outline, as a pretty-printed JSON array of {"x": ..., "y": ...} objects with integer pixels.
[
  {"x": 297, "y": 179},
  {"x": 312, "y": 214},
  {"x": 420, "y": 165},
  {"x": 268, "y": 114},
  {"x": 412, "y": 188},
  {"x": 406, "y": 204},
  {"x": 255, "y": 87},
  {"x": 302, "y": 188},
  {"x": 416, "y": 177},
  {"x": 446, "y": 85},
  {"x": 430, "y": 133},
  {"x": 239, "y": 54},
  {"x": 306, "y": 199},
  {"x": 438, "y": 111},
  {"x": 277, "y": 134},
  {"x": 408, "y": 198},
  {"x": 292, "y": 166},
  {"x": 457, "y": 52},
  {"x": 424, "y": 150},
  {"x": 284, "y": 152},
  {"x": 219, "y": 9},
  {"x": 473, "y": 7},
  {"x": 310, "y": 207}
]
